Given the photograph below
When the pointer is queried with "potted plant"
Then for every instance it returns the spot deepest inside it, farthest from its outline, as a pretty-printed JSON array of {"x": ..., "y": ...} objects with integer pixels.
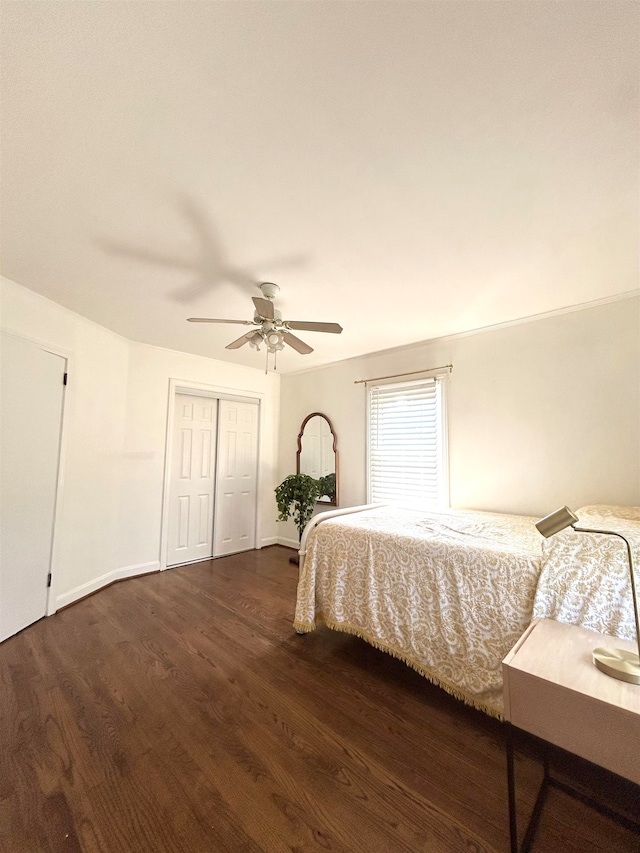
[
  {"x": 296, "y": 497},
  {"x": 328, "y": 487}
]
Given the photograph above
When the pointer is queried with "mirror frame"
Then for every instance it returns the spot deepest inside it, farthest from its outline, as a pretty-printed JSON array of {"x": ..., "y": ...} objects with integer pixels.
[{"x": 335, "y": 453}]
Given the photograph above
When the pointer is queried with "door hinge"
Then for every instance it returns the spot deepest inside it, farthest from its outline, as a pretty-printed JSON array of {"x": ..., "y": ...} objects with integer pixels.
[
  {"x": 64, "y": 379},
  {"x": 49, "y": 579}
]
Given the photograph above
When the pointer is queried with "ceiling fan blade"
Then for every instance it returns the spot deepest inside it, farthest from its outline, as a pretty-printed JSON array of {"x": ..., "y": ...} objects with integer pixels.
[
  {"x": 335, "y": 328},
  {"x": 240, "y": 342},
  {"x": 210, "y": 320},
  {"x": 296, "y": 343},
  {"x": 264, "y": 307}
]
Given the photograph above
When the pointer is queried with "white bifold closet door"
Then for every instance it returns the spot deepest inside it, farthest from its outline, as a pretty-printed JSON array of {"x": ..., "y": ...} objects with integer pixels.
[
  {"x": 31, "y": 398},
  {"x": 192, "y": 479},
  {"x": 235, "y": 525},
  {"x": 212, "y": 494}
]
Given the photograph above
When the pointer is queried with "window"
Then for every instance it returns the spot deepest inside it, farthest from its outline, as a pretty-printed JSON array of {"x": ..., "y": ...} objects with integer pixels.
[{"x": 407, "y": 448}]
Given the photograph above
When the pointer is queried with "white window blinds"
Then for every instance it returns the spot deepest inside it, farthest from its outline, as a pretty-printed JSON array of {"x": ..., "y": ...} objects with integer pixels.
[{"x": 407, "y": 443}]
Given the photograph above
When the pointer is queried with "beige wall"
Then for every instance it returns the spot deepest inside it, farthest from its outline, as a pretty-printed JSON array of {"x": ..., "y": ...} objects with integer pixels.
[{"x": 541, "y": 413}]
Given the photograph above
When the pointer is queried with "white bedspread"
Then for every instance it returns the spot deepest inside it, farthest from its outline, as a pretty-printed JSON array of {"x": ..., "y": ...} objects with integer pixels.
[
  {"x": 448, "y": 593},
  {"x": 584, "y": 578}
]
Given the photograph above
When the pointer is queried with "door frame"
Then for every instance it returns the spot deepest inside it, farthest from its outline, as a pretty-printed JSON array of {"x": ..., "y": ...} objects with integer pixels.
[
  {"x": 218, "y": 392},
  {"x": 67, "y": 398}
]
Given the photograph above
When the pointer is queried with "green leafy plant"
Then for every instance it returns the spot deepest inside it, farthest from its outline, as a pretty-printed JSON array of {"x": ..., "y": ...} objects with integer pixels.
[
  {"x": 296, "y": 496},
  {"x": 328, "y": 487}
]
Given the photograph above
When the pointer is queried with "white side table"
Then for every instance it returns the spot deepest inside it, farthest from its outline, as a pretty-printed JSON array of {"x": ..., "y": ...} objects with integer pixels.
[{"x": 553, "y": 691}]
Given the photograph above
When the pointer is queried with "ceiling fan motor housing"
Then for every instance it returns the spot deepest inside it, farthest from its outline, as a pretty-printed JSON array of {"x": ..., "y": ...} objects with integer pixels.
[
  {"x": 269, "y": 289},
  {"x": 267, "y": 325}
]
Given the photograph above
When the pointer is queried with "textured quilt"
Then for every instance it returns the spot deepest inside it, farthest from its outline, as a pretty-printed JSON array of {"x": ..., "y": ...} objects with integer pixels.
[
  {"x": 585, "y": 579},
  {"x": 448, "y": 593}
]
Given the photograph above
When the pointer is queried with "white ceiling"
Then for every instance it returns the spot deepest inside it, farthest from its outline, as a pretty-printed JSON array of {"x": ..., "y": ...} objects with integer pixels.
[{"x": 407, "y": 169}]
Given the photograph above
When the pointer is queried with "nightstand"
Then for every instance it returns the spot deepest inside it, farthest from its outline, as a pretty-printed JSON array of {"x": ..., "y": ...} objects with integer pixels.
[{"x": 553, "y": 691}]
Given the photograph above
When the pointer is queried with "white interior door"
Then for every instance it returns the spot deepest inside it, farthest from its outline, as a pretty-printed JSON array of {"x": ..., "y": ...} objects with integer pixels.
[
  {"x": 190, "y": 535},
  {"x": 235, "y": 522},
  {"x": 31, "y": 397}
]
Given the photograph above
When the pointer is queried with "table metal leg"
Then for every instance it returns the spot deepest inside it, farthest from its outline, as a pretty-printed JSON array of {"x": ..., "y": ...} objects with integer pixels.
[
  {"x": 513, "y": 819},
  {"x": 534, "y": 820},
  {"x": 548, "y": 781}
]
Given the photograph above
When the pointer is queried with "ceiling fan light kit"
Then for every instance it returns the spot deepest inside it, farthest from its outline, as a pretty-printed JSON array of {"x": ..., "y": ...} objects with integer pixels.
[
  {"x": 273, "y": 331},
  {"x": 274, "y": 341}
]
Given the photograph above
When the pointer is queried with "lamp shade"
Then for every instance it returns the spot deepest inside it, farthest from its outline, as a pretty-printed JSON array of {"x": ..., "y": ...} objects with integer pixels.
[
  {"x": 274, "y": 341},
  {"x": 556, "y": 521}
]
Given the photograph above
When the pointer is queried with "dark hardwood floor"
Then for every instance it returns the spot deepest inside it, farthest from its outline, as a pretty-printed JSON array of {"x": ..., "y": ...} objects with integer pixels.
[{"x": 180, "y": 712}]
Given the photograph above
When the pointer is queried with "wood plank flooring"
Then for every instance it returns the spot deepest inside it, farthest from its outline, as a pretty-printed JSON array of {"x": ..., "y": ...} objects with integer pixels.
[{"x": 180, "y": 712}]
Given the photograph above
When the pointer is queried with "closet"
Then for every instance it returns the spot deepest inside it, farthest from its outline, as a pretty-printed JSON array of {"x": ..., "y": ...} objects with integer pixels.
[{"x": 213, "y": 477}]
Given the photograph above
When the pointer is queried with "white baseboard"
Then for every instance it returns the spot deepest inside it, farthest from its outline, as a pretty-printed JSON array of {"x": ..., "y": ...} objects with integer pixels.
[
  {"x": 288, "y": 543},
  {"x": 104, "y": 580},
  {"x": 268, "y": 540}
]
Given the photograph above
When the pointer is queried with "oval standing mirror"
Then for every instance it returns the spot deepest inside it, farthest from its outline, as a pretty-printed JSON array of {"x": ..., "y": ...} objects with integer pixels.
[{"x": 318, "y": 455}]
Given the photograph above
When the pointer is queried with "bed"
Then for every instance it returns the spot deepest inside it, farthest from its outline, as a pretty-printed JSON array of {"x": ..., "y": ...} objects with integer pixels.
[{"x": 450, "y": 593}]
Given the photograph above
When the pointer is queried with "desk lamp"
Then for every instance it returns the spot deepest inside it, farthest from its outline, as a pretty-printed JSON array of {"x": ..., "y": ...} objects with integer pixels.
[{"x": 618, "y": 663}]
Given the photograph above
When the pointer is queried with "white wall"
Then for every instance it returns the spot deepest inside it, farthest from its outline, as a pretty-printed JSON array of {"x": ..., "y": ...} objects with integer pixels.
[
  {"x": 541, "y": 413},
  {"x": 117, "y": 399},
  {"x": 143, "y": 458}
]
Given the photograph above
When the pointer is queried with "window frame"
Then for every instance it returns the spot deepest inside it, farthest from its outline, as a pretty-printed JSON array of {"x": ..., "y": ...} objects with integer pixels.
[{"x": 441, "y": 379}]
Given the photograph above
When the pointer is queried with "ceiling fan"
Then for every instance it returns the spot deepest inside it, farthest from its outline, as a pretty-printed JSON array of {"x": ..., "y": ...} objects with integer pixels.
[{"x": 271, "y": 329}]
